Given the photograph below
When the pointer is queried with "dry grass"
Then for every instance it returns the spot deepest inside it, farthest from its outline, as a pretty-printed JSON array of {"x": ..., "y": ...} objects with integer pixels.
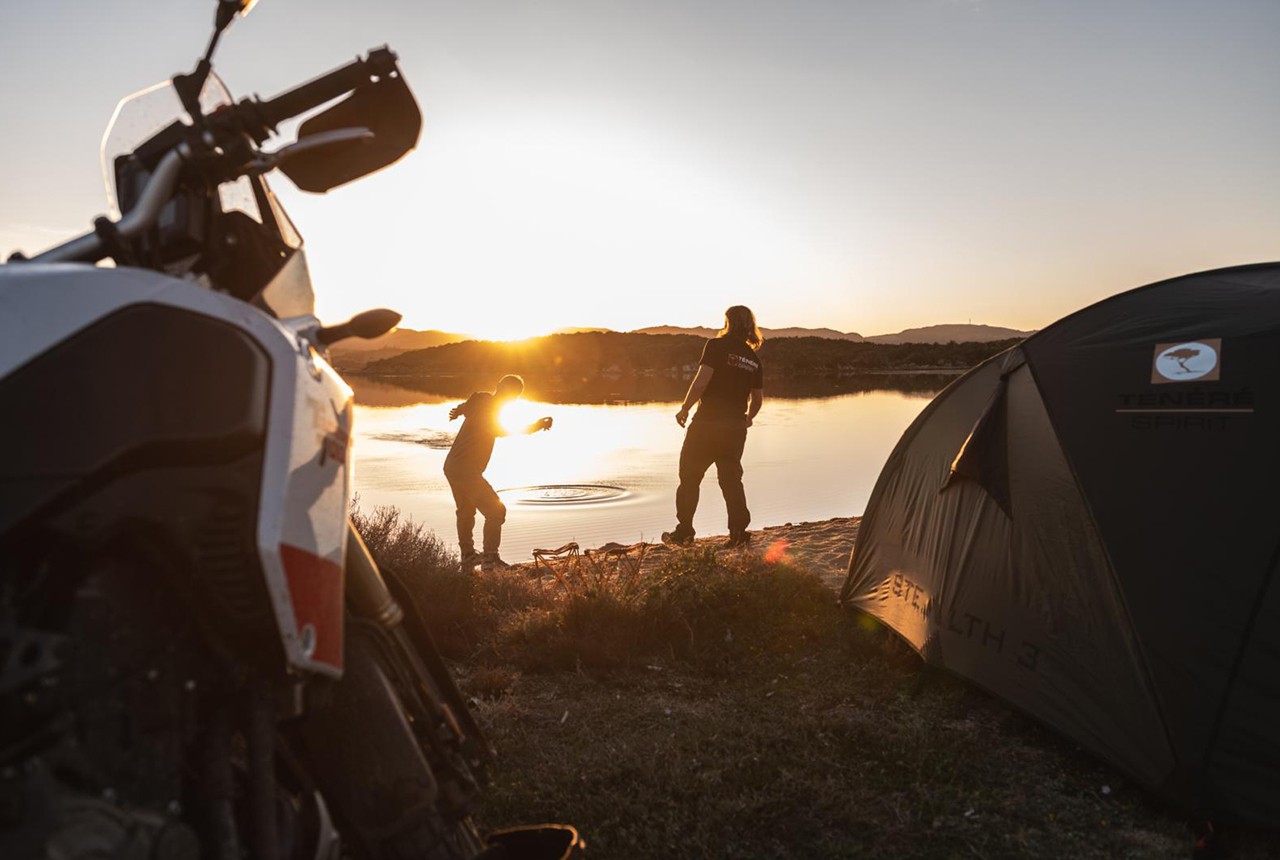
[{"x": 715, "y": 705}]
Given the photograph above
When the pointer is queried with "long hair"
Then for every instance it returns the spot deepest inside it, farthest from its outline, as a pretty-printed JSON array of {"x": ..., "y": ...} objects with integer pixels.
[{"x": 740, "y": 324}]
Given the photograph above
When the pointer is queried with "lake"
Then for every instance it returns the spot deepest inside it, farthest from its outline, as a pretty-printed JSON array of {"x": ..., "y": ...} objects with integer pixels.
[{"x": 607, "y": 470}]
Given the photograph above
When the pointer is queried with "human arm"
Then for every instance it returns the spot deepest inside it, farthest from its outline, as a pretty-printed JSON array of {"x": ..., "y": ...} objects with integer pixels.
[
  {"x": 462, "y": 408},
  {"x": 543, "y": 423},
  {"x": 757, "y": 391},
  {"x": 757, "y": 400},
  {"x": 696, "y": 389}
]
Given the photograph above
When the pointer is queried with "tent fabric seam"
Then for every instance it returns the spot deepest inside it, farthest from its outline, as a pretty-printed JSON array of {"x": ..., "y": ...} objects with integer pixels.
[
  {"x": 1136, "y": 641},
  {"x": 904, "y": 441},
  {"x": 1246, "y": 637}
]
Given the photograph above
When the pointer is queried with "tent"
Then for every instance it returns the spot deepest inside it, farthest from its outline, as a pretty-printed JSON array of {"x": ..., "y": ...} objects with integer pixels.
[{"x": 1088, "y": 526}]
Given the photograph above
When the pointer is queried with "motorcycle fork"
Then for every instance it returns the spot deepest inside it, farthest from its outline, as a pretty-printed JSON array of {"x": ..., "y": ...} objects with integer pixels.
[
  {"x": 390, "y": 605},
  {"x": 377, "y": 637}
]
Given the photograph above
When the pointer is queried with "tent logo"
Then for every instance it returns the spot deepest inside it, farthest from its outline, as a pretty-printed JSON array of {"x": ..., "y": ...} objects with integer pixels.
[{"x": 1183, "y": 362}]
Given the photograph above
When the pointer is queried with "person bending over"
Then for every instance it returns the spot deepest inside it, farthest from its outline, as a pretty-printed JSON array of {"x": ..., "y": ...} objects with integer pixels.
[
  {"x": 464, "y": 468},
  {"x": 729, "y": 391}
]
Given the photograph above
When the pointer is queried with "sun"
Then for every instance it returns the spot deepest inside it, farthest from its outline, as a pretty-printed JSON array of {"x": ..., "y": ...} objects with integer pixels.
[
  {"x": 516, "y": 416},
  {"x": 523, "y": 223},
  {"x": 516, "y": 328}
]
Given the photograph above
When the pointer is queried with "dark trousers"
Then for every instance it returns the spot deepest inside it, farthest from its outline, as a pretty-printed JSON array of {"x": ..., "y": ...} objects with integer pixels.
[
  {"x": 471, "y": 493},
  {"x": 708, "y": 441}
]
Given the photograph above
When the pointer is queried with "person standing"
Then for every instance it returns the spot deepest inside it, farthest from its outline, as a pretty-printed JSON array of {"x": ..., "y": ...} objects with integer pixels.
[
  {"x": 729, "y": 391},
  {"x": 465, "y": 464}
]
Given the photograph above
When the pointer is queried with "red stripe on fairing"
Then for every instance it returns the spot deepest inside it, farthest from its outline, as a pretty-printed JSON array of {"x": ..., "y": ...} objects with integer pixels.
[{"x": 315, "y": 587}]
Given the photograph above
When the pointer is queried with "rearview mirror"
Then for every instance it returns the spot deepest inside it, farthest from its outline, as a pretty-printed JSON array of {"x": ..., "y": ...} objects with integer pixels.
[
  {"x": 367, "y": 325},
  {"x": 236, "y": 7},
  {"x": 386, "y": 107}
]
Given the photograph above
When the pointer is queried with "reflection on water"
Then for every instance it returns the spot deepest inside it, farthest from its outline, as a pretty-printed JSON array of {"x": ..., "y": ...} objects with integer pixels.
[
  {"x": 438, "y": 439},
  {"x": 606, "y": 471},
  {"x": 375, "y": 392},
  {"x": 563, "y": 494},
  {"x": 385, "y": 391}
]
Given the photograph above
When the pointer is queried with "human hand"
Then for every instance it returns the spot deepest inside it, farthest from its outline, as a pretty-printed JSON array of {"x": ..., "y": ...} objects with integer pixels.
[
  {"x": 544, "y": 423},
  {"x": 682, "y": 416},
  {"x": 454, "y": 412}
]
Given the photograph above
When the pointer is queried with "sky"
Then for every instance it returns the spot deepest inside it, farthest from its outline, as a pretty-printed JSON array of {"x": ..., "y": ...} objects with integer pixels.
[{"x": 864, "y": 165}]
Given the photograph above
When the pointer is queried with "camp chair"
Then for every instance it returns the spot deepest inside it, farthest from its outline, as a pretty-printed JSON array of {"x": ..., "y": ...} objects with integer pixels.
[{"x": 567, "y": 554}]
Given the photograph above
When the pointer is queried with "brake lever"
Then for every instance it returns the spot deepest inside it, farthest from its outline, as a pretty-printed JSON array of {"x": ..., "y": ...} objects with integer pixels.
[{"x": 265, "y": 162}]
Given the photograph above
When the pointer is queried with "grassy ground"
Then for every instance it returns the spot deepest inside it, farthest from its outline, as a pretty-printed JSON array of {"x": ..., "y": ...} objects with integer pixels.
[{"x": 721, "y": 706}]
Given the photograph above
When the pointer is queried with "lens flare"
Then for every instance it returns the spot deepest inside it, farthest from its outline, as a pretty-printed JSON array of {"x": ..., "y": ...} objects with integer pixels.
[{"x": 778, "y": 552}]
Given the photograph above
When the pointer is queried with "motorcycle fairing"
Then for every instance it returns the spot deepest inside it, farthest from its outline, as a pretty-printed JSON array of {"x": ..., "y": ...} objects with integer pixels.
[
  {"x": 300, "y": 532},
  {"x": 308, "y": 504}
]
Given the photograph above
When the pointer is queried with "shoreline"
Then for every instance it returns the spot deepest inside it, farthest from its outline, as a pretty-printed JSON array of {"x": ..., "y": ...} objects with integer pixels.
[
  {"x": 644, "y": 389},
  {"x": 821, "y": 547}
]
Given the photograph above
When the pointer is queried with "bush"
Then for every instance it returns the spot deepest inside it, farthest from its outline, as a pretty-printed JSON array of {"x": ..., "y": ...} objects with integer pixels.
[
  {"x": 443, "y": 593},
  {"x": 462, "y": 609},
  {"x": 693, "y": 607}
]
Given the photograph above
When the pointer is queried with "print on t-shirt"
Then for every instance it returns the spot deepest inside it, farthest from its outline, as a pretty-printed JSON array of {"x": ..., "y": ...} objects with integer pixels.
[{"x": 737, "y": 371}]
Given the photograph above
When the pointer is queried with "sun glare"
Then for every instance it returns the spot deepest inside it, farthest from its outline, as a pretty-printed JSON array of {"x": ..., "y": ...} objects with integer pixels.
[
  {"x": 516, "y": 416},
  {"x": 525, "y": 223},
  {"x": 577, "y": 448}
]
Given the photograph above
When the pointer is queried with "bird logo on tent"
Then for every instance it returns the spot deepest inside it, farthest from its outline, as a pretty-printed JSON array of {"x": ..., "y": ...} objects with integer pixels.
[
  {"x": 1183, "y": 362},
  {"x": 1182, "y": 356}
]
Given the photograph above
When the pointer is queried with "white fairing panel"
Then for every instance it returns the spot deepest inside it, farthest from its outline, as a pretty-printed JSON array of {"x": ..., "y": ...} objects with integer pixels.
[
  {"x": 306, "y": 478},
  {"x": 308, "y": 500}
]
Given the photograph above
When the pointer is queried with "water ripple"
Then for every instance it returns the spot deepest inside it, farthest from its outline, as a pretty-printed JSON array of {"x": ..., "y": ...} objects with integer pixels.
[
  {"x": 432, "y": 439},
  {"x": 565, "y": 494}
]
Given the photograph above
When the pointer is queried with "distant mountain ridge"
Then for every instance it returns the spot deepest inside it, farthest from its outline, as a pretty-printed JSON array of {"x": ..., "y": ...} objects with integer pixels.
[
  {"x": 402, "y": 338},
  {"x": 944, "y": 333},
  {"x": 354, "y": 353},
  {"x": 703, "y": 331},
  {"x": 952, "y": 332},
  {"x": 585, "y": 356}
]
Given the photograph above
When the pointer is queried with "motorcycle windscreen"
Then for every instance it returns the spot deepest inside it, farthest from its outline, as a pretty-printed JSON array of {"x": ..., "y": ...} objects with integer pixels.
[{"x": 386, "y": 107}]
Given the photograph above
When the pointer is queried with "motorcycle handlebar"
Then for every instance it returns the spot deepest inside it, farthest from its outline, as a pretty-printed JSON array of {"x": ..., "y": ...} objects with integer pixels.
[
  {"x": 266, "y": 115},
  {"x": 258, "y": 117},
  {"x": 159, "y": 188}
]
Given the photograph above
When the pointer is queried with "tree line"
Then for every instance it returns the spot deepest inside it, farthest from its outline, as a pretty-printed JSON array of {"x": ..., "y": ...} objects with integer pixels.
[{"x": 589, "y": 355}]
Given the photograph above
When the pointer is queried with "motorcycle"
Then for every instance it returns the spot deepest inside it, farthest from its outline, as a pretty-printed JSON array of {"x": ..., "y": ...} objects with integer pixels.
[{"x": 199, "y": 657}]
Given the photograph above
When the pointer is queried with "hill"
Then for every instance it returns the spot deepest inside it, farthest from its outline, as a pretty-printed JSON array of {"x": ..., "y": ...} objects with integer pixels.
[
  {"x": 947, "y": 333},
  {"x": 769, "y": 333},
  {"x": 358, "y": 355},
  {"x": 354, "y": 353},
  {"x": 615, "y": 355},
  {"x": 951, "y": 333},
  {"x": 581, "y": 354}
]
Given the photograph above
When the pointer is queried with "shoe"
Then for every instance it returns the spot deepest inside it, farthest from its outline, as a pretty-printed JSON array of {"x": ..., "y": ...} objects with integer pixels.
[
  {"x": 677, "y": 538},
  {"x": 737, "y": 540},
  {"x": 470, "y": 560},
  {"x": 492, "y": 561}
]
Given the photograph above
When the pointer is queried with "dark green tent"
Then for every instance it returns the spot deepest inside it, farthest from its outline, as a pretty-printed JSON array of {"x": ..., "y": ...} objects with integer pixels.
[{"x": 1088, "y": 525}]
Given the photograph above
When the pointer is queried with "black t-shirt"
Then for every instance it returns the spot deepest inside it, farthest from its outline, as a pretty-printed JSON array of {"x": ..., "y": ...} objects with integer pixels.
[
  {"x": 737, "y": 371},
  {"x": 473, "y": 446}
]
